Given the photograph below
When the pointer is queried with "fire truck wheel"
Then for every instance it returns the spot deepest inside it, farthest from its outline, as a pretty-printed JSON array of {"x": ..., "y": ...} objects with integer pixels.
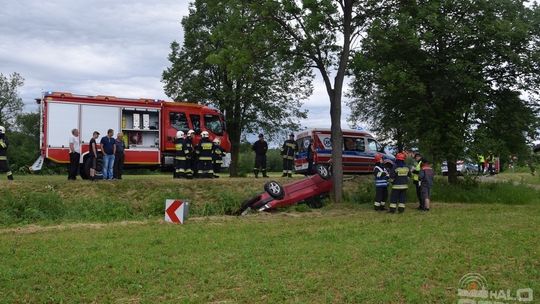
[
  {"x": 324, "y": 171},
  {"x": 274, "y": 189},
  {"x": 82, "y": 170},
  {"x": 85, "y": 170}
]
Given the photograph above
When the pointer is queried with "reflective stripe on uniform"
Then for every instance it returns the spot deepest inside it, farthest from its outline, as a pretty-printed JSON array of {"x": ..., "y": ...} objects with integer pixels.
[
  {"x": 393, "y": 205},
  {"x": 3, "y": 157},
  {"x": 377, "y": 204},
  {"x": 205, "y": 158},
  {"x": 179, "y": 158},
  {"x": 401, "y": 205},
  {"x": 400, "y": 187}
]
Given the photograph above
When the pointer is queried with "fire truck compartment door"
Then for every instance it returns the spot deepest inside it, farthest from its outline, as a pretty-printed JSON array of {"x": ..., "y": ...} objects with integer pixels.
[
  {"x": 98, "y": 118},
  {"x": 61, "y": 119}
]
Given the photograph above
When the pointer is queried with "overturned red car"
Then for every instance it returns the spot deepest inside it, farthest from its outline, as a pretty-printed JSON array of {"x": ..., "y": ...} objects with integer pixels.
[{"x": 310, "y": 190}]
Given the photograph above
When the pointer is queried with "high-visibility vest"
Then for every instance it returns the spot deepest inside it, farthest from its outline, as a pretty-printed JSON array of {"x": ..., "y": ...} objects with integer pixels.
[
  {"x": 481, "y": 159},
  {"x": 416, "y": 173}
]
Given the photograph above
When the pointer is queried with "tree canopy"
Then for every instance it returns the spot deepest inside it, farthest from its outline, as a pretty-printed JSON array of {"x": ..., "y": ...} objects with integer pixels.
[
  {"x": 323, "y": 34},
  {"x": 439, "y": 75},
  {"x": 10, "y": 102},
  {"x": 231, "y": 60}
]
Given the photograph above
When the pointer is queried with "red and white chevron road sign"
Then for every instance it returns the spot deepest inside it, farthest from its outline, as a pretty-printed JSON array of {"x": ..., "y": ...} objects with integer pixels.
[{"x": 175, "y": 211}]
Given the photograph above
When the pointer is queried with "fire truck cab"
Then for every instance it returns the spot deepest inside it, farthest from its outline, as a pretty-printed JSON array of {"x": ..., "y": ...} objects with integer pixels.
[{"x": 149, "y": 126}]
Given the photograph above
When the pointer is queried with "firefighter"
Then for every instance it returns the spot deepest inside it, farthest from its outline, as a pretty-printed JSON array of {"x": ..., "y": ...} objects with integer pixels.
[
  {"x": 416, "y": 179},
  {"x": 289, "y": 149},
  {"x": 180, "y": 156},
  {"x": 189, "y": 154},
  {"x": 400, "y": 179},
  {"x": 481, "y": 161},
  {"x": 260, "y": 147},
  {"x": 204, "y": 156},
  {"x": 217, "y": 157},
  {"x": 4, "y": 164},
  {"x": 381, "y": 183}
]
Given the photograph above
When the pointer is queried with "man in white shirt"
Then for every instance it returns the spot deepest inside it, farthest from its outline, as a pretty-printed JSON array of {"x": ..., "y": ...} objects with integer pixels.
[{"x": 74, "y": 154}]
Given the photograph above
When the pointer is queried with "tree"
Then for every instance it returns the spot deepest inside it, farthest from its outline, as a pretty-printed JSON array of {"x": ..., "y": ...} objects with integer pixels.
[
  {"x": 10, "y": 102},
  {"x": 230, "y": 60},
  {"x": 433, "y": 71},
  {"x": 323, "y": 34},
  {"x": 24, "y": 140}
]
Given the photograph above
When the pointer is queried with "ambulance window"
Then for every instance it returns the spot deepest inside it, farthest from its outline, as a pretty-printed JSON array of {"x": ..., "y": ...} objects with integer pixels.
[
  {"x": 353, "y": 144},
  {"x": 196, "y": 122},
  {"x": 300, "y": 143},
  {"x": 213, "y": 124},
  {"x": 373, "y": 145},
  {"x": 179, "y": 121}
]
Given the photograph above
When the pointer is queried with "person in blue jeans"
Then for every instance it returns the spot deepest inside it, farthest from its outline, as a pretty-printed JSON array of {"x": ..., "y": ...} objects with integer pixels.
[{"x": 108, "y": 147}]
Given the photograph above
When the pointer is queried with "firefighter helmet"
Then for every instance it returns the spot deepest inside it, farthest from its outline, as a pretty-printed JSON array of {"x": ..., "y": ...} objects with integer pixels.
[
  {"x": 378, "y": 158},
  {"x": 400, "y": 156},
  {"x": 190, "y": 132},
  {"x": 179, "y": 134},
  {"x": 205, "y": 134},
  {"x": 2, "y": 130},
  {"x": 217, "y": 141}
]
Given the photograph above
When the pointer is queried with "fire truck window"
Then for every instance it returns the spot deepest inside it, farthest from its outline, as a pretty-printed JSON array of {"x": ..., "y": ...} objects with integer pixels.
[
  {"x": 196, "y": 122},
  {"x": 373, "y": 145},
  {"x": 354, "y": 144},
  {"x": 213, "y": 124},
  {"x": 179, "y": 121}
]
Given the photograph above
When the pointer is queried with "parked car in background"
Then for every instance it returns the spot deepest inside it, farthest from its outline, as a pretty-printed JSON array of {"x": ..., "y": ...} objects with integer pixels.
[{"x": 464, "y": 167}]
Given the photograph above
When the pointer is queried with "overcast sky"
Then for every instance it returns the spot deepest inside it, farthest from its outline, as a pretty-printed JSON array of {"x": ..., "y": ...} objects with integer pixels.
[{"x": 100, "y": 47}]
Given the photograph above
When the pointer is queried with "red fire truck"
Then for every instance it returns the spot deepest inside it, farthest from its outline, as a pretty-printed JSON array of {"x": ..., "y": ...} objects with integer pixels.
[{"x": 149, "y": 126}]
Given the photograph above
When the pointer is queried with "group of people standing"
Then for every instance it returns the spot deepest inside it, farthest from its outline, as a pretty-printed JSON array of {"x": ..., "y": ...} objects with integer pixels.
[
  {"x": 113, "y": 155},
  {"x": 203, "y": 160},
  {"x": 288, "y": 151},
  {"x": 489, "y": 160},
  {"x": 398, "y": 175}
]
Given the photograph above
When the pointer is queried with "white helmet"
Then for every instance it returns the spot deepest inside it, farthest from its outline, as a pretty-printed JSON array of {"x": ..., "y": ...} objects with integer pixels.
[
  {"x": 217, "y": 141},
  {"x": 179, "y": 134},
  {"x": 2, "y": 130},
  {"x": 190, "y": 132},
  {"x": 205, "y": 134}
]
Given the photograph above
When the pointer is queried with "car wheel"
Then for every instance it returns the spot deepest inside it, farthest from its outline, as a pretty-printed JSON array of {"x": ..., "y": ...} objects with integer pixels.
[
  {"x": 324, "y": 171},
  {"x": 274, "y": 189}
]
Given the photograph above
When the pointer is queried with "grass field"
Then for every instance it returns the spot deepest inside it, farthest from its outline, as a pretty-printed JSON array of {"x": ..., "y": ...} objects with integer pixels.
[{"x": 339, "y": 254}]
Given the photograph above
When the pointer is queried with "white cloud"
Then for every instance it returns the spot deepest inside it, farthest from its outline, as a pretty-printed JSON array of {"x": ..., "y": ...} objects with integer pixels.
[{"x": 103, "y": 47}]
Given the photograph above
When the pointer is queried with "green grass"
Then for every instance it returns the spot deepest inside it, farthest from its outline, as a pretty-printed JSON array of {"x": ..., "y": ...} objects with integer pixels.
[
  {"x": 336, "y": 256},
  {"x": 53, "y": 200}
]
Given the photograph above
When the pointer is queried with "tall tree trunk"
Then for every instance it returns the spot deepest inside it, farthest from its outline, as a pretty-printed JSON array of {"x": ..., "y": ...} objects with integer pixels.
[
  {"x": 452, "y": 170},
  {"x": 337, "y": 147},
  {"x": 234, "y": 136}
]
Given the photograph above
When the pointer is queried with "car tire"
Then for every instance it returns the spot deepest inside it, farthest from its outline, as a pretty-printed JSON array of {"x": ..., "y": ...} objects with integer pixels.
[
  {"x": 325, "y": 172},
  {"x": 274, "y": 189}
]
